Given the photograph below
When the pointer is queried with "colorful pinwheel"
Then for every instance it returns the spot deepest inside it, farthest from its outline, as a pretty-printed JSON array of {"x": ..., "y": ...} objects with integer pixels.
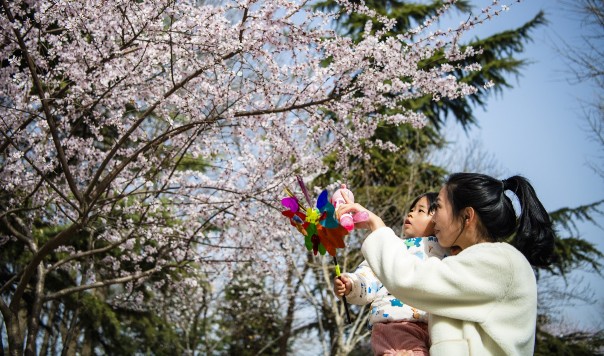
[{"x": 322, "y": 232}]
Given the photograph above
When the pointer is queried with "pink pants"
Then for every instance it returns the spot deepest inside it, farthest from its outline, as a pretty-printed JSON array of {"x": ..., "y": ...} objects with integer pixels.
[{"x": 388, "y": 338}]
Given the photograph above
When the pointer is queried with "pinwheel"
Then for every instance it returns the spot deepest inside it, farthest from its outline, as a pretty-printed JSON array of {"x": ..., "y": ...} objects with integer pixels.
[{"x": 322, "y": 232}]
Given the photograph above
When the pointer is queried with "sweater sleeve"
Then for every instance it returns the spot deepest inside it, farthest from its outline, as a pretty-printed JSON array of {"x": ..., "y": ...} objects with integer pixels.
[
  {"x": 364, "y": 285},
  {"x": 464, "y": 287}
]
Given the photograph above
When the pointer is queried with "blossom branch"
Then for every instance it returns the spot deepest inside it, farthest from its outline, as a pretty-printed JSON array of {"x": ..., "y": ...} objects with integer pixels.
[
  {"x": 153, "y": 143},
  {"x": 4, "y": 145},
  {"x": 87, "y": 253},
  {"x": 41, "y": 93},
  {"x": 43, "y": 175},
  {"x": 27, "y": 240},
  {"x": 135, "y": 125}
]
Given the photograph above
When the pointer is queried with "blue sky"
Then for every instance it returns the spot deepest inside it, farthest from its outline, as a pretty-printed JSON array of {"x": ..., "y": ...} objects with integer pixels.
[{"x": 536, "y": 129}]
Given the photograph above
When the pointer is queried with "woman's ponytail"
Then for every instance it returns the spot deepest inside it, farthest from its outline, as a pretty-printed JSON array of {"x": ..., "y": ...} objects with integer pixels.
[{"x": 535, "y": 235}]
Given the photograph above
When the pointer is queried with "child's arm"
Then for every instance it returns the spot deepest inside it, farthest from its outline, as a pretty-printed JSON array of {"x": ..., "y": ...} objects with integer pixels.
[{"x": 364, "y": 285}]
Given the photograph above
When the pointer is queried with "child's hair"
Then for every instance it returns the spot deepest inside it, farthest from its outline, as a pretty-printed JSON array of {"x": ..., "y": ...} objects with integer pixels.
[
  {"x": 486, "y": 195},
  {"x": 431, "y": 196}
]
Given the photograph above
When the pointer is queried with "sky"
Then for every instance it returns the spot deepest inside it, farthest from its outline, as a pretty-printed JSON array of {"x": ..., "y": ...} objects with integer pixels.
[{"x": 537, "y": 128}]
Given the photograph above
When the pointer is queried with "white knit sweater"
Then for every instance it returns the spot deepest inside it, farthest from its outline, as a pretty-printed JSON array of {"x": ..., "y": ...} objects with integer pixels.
[{"x": 481, "y": 302}]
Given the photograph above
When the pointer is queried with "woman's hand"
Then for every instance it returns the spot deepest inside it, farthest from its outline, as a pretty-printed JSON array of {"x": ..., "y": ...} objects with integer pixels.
[
  {"x": 342, "y": 286},
  {"x": 373, "y": 223}
]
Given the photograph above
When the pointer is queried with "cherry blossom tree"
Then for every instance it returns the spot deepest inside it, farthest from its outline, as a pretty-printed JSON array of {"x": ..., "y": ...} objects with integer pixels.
[{"x": 143, "y": 144}]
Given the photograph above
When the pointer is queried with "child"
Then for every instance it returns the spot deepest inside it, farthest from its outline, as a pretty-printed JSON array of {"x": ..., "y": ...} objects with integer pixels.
[{"x": 396, "y": 327}]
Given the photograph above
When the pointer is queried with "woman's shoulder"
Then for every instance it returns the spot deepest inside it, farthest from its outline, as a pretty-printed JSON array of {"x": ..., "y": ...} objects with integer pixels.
[
  {"x": 502, "y": 247},
  {"x": 494, "y": 251}
]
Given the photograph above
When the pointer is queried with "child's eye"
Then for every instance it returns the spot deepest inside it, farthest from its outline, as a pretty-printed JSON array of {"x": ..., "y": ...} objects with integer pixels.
[{"x": 422, "y": 211}]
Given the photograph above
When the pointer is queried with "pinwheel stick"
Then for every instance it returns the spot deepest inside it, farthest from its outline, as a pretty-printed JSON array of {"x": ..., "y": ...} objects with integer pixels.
[
  {"x": 335, "y": 262},
  {"x": 304, "y": 190}
]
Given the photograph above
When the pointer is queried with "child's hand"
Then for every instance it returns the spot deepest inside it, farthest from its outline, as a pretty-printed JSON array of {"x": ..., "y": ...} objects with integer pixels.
[{"x": 341, "y": 286}]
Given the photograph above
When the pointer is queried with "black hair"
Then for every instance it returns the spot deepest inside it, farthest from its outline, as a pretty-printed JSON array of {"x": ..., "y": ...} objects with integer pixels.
[
  {"x": 534, "y": 235},
  {"x": 431, "y": 196}
]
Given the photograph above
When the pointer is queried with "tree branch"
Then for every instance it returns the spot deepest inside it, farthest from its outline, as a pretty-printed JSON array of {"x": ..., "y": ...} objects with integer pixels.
[
  {"x": 87, "y": 253},
  {"x": 25, "y": 239},
  {"x": 47, "y": 248},
  {"x": 114, "y": 173},
  {"x": 108, "y": 282}
]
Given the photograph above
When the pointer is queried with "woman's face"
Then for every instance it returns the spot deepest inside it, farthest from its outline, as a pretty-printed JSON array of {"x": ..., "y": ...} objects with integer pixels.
[
  {"x": 419, "y": 221},
  {"x": 446, "y": 228}
]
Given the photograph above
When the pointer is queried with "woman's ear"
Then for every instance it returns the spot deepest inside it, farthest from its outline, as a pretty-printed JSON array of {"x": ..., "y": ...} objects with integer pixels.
[{"x": 469, "y": 215}]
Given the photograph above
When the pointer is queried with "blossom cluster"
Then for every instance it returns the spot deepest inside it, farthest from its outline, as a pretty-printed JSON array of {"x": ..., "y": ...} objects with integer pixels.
[{"x": 167, "y": 129}]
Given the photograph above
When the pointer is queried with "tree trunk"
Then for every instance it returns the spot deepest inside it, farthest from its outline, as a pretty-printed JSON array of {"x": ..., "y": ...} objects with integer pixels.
[
  {"x": 49, "y": 330},
  {"x": 33, "y": 323},
  {"x": 86, "y": 349},
  {"x": 14, "y": 334},
  {"x": 289, "y": 315},
  {"x": 69, "y": 341}
]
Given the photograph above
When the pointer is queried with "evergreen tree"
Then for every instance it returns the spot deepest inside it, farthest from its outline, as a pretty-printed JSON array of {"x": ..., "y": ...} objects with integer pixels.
[{"x": 251, "y": 316}]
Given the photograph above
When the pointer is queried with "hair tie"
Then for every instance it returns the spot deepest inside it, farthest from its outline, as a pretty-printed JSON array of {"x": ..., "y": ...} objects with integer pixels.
[{"x": 503, "y": 182}]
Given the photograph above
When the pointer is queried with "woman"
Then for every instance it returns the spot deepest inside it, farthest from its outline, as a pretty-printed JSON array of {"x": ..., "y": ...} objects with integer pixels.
[{"x": 484, "y": 300}]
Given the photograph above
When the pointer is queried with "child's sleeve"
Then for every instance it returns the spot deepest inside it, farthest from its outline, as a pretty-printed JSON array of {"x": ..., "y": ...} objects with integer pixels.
[
  {"x": 365, "y": 285},
  {"x": 433, "y": 249}
]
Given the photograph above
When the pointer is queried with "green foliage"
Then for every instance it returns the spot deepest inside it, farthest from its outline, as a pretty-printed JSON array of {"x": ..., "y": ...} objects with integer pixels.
[
  {"x": 571, "y": 344},
  {"x": 573, "y": 252},
  {"x": 121, "y": 331},
  {"x": 188, "y": 162},
  {"x": 251, "y": 320},
  {"x": 405, "y": 13},
  {"x": 99, "y": 323},
  {"x": 567, "y": 218}
]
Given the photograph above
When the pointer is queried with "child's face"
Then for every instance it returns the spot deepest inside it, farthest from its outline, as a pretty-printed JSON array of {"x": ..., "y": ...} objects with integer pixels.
[{"x": 419, "y": 221}]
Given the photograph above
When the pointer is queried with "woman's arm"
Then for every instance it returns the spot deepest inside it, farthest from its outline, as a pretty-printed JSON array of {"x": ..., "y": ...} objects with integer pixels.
[
  {"x": 373, "y": 223},
  {"x": 466, "y": 287}
]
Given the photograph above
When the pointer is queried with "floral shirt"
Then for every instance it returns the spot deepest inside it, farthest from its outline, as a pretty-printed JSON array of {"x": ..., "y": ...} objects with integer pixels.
[{"x": 367, "y": 288}]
